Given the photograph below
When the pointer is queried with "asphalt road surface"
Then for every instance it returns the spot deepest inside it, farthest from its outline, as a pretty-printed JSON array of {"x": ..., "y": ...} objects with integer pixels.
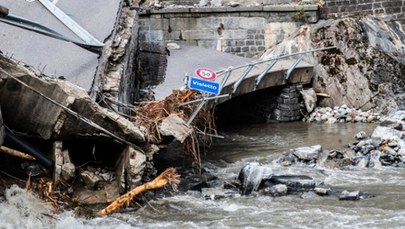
[{"x": 54, "y": 57}]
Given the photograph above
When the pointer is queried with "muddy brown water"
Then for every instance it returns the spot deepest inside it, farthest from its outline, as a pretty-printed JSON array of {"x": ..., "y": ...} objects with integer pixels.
[{"x": 262, "y": 143}]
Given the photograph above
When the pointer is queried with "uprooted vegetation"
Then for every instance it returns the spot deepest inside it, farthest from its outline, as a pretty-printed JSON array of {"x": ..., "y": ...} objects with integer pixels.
[{"x": 150, "y": 115}]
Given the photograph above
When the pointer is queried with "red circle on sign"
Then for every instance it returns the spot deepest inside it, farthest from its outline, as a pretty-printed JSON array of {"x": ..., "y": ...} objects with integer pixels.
[{"x": 205, "y": 73}]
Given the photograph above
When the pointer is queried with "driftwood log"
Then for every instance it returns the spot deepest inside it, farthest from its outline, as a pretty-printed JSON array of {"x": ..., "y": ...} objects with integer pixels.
[
  {"x": 16, "y": 153},
  {"x": 169, "y": 176}
]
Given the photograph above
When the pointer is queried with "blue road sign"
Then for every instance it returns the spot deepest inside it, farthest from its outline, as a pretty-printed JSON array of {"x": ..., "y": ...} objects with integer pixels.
[{"x": 204, "y": 85}]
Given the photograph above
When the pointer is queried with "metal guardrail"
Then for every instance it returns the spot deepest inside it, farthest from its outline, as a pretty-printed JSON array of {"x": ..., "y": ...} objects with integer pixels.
[
  {"x": 90, "y": 43},
  {"x": 272, "y": 63},
  {"x": 249, "y": 67}
]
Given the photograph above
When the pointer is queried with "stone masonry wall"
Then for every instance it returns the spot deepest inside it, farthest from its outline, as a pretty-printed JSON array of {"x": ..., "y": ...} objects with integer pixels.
[
  {"x": 243, "y": 31},
  {"x": 343, "y": 8}
]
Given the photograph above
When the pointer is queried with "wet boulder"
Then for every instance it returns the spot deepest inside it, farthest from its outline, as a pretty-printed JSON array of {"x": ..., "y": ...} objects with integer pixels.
[
  {"x": 310, "y": 99},
  {"x": 361, "y": 161},
  {"x": 322, "y": 191},
  {"x": 375, "y": 159},
  {"x": 396, "y": 116},
  {"x": 361, "y": 135},
  {"x": 307, "y": 153},
  {"x": 276, "y": 190},
  {"x": 355, "y": 195},
  {"x": 252, "y": 175},
  {"x": 294, "y": 183},
  {"x": 384, "y": 132},
  {"x": 217, "y": 194},
  {"x": 349, "y": 195}
]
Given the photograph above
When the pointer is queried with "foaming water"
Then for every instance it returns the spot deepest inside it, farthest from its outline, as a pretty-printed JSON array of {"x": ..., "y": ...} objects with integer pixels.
[{"x": 262, "y": 143}]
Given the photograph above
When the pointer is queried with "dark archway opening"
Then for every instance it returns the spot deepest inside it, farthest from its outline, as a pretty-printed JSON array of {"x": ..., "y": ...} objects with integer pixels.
[{"x": 276, "y": 104}]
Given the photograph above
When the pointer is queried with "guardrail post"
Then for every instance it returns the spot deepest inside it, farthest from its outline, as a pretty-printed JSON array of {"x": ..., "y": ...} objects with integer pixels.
[
  {"x": 291, "y": 69},
  {"x": 263, "y": 74},
  {"x": 245, "y": 73}
]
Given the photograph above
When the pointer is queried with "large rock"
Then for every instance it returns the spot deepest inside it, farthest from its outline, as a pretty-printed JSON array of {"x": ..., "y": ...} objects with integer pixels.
[
  {"x": 387, "y": 133},
  {"x": 310, "y": 99},
  {"x": 294, "y": 183},
  {"x": 252, "y": 175},
  {"x": 307, "y": 153},
  {"x": 396, "y": 116}
]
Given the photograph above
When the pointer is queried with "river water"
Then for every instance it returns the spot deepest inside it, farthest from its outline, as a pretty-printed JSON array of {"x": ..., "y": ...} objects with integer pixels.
[{"x": 262, "y": 143}]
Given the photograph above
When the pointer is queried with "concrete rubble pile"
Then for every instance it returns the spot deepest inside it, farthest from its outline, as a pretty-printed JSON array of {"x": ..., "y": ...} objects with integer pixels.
[{"x": 55, "y": 110}]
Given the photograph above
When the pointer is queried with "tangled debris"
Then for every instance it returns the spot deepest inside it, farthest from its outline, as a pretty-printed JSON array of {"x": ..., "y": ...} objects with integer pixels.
[{"x": 150, "y": 114}]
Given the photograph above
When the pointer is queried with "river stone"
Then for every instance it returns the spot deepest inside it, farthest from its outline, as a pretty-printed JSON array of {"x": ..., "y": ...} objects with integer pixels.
[
  {"x": 277, "y": 190},
  {"x": 252, "y": 175},
  {"x": 295, "y": 183},
  {"x": 386, "y": 133},
  {"x": 307, "y": 153},
  {"x": 322, "y": 191},
  {"x": 401, "y": 144},
  {"x": 217, "y": 194},
  {"x": 366, "y": 149},
  {"x": 361, "y": 135},
  {"x": 375, "y": 159},
  {"x": 362, "y": 161},
  {"x": 309, "y": 97},
  {"x": 395, "y": 116},
  {"x": 349, "y": 195}
]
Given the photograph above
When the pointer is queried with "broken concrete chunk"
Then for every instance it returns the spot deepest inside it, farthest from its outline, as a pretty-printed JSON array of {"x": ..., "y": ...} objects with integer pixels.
[
  {"x": 90, "y": 179},
  {"x": 56, "y": 156},
  {"x": 176, "y": 127},
  {"x": 68, "y": 171},
  {"x": 76, "y": 113},
  {"x": 66, "y": 156},
  {"x": 130, "y": 167}
]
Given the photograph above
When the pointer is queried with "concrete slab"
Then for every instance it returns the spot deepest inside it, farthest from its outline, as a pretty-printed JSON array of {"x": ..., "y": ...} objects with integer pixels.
[
  {"x": 187, "y": 59},
  {"x": 54, "y": 57}
]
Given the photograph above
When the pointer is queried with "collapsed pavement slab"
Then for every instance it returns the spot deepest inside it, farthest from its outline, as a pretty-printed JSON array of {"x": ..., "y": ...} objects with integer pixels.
[
  {"x": 53, "y": 108},
  {"x": 55, "y": 57}
]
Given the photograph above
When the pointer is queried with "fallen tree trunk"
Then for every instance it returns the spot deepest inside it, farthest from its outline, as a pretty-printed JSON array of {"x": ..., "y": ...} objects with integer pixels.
[{"x": 169, "y": 176}]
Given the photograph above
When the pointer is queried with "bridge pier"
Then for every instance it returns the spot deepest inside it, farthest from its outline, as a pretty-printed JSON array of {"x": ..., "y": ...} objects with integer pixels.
[{"x": 288, "y": 104}]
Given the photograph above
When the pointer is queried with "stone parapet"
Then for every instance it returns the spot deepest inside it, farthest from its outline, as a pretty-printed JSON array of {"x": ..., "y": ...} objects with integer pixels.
[{"x": 214, "y": 10}]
